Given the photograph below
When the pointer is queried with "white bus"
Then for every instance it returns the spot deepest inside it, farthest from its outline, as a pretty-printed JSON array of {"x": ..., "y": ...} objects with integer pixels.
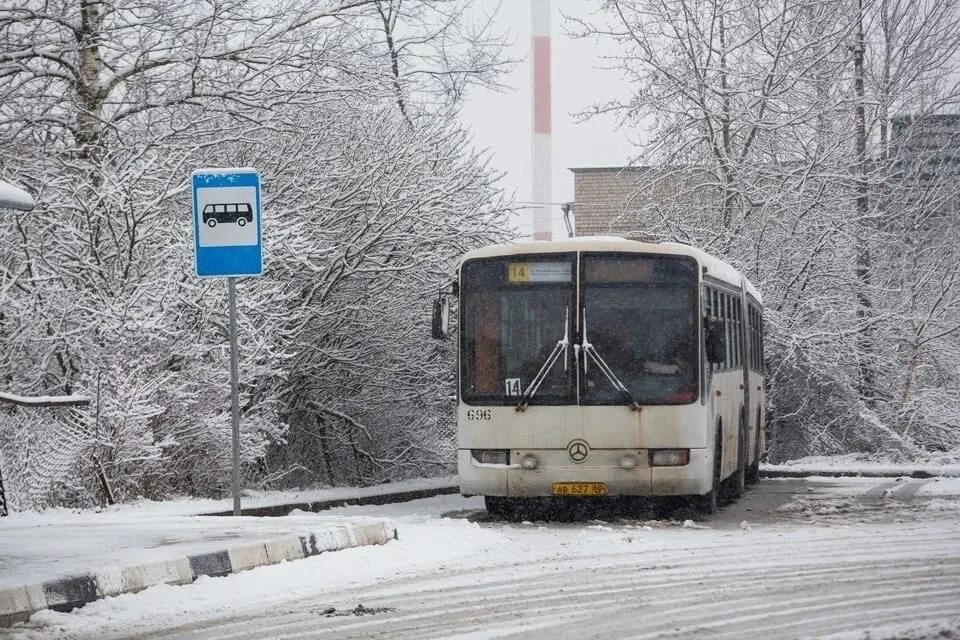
[{"x": 606, "y": 367}]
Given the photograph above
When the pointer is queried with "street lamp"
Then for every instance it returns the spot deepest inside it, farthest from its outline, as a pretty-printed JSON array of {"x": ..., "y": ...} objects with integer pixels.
[{"x": 12, "y": 197}]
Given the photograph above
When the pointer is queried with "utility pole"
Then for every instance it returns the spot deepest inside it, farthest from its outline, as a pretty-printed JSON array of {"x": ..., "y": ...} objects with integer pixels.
[{"x": 862, "y": 268}]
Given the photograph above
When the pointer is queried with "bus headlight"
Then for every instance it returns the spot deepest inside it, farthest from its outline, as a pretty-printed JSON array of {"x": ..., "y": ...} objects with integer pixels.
[
  {"x": 529, "y": 462},
  {"x": 627, "y": 461},
  {"x": 491, "y": 456},
  {"x": 669, "y": 457}
]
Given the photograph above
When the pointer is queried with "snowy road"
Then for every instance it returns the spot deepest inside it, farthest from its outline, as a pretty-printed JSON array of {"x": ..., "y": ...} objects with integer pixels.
[{"x": 792, "y": 559}]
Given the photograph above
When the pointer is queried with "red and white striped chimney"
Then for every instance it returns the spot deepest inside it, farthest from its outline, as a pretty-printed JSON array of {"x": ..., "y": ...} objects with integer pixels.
[{"x": 541, "y": 156}]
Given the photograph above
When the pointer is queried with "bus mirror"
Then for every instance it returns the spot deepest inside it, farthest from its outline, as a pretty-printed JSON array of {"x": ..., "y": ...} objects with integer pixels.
[
  {"x": 716, "y": 345},
  {"x": 441, "y": 317}
]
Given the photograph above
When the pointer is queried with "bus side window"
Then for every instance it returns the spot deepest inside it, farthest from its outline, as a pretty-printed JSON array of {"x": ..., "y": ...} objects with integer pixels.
[
  {"x": 737, "y": 335},
  {"x": 707, "y": 314},
  {"x": 716, "y": 313},
  {"x": 716, "y": 345}
]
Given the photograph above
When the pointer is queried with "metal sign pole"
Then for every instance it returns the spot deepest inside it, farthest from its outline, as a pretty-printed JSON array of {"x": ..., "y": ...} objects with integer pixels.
[
  {"x": 234, "y": 394},
  {"x": 3, "y": 498}
]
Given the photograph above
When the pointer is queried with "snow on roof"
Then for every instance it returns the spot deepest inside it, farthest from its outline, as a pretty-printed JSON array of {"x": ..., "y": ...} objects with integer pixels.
[
  {"x": 12, "y": 197},
  {"x": 714, "y": 266}
]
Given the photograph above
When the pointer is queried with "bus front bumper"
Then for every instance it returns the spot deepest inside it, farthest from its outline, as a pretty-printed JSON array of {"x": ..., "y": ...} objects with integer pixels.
[{"x": 604, "y": 467}]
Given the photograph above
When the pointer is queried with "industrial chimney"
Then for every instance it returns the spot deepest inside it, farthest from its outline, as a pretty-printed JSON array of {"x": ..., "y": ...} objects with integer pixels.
[{"x": 541, "y": 147}]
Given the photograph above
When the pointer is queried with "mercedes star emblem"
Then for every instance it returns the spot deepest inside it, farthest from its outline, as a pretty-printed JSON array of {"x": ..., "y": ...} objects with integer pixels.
[{"x": 578, "y": 450}]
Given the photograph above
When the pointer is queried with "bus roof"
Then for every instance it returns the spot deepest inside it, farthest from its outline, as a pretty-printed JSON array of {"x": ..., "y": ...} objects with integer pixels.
[{"x": 715, "y": 267}]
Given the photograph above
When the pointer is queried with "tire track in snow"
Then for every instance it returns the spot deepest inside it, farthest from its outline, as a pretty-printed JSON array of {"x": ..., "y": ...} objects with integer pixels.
[
  {"x": 879, "y": 491},
  {"x": 807, "y": 575},
  {"x": 796, "y": 590},
  {"x": 764, "y": 606},
  {"x": 907, "y": 492}
]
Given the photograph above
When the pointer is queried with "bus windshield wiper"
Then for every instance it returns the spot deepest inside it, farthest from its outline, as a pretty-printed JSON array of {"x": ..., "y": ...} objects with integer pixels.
[
  {"x": 562, "y": 345},
  {"x": 590, "y": 352}
]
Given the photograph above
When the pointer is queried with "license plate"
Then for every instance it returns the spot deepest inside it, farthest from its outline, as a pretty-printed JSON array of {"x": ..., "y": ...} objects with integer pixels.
[{"x": 579, "y": 489}]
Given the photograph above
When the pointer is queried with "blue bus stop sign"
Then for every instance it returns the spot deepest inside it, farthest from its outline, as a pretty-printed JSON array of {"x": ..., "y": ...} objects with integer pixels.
[{"x": 227, "y": 234}]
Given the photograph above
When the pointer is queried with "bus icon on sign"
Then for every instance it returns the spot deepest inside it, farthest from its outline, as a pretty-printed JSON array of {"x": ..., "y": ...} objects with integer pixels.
[{"x": 240, "y": 213}]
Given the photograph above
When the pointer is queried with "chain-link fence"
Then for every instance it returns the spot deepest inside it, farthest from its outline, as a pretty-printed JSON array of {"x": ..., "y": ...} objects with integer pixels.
[{"x": 47, "y": 457}]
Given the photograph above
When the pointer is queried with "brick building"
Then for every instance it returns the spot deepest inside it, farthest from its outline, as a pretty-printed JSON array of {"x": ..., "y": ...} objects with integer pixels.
[
  {"x": 601, "y": 195},
  {"x": 638, "y": 202},
  {"x": 632, "y": 201},
  {"x": 932, "y": 138}
]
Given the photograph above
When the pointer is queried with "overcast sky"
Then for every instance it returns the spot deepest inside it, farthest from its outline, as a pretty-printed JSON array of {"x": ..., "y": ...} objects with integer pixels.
[{"x": 503, "y": 121}]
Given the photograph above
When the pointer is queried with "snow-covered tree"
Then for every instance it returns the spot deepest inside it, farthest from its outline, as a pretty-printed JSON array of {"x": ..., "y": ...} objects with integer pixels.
[
  {"x": 105, "y": 108},
  {"x": 767, "y": 146}
]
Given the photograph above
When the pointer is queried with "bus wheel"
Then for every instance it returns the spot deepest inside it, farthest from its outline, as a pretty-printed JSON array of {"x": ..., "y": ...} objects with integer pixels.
[
  {"x": 708, "y": 504},
  {"x": 753, "y": 471},
  {"x": 738, "y": 481},
  {"x": 499, "y": 506}
]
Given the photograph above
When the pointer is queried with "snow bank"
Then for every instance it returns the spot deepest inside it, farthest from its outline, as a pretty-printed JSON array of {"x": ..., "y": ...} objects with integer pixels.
[{"x": 944, "y": 464}]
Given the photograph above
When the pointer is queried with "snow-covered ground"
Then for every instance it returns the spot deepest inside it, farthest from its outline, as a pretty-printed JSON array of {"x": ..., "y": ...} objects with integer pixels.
[
  {"x": 854, "y": 463},
  {"x": 35, "y": 547},
  {"x": 251, "y": 498},
  {"x": 829, "y": 557},
  {"x": 81, "y": 543}
]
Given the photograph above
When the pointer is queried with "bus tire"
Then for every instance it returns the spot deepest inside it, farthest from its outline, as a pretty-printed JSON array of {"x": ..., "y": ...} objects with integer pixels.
[
  {"x": 709, "y": 503},
  {"x": 753, "y": 471},
  {"x": 498, "y": 506},
  {"x": 737, "y": 482}
]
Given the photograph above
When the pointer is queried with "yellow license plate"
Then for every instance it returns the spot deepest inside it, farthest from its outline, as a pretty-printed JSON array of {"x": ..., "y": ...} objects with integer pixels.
[{"x": 579, "y": 489}]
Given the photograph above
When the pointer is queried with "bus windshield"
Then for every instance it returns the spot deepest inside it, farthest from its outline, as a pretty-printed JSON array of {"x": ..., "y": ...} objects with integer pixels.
[
  {"x": 637, "y": 314},
  {"x": 514, "y": 314},
  {"x": 641, "y": 317}
]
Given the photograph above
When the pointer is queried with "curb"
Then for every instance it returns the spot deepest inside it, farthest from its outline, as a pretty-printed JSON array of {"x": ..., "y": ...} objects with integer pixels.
[
  {"x": 865, "y": 473},
  {"x": 323, "y": 505},
  {"x": 17, "y": 604},
  {"x": 416, "y": 494}
]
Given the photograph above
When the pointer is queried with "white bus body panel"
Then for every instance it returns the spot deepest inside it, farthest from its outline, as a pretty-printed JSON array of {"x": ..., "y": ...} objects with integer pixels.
[
  {"x": 602, "y": 466},
  {"x": 610, "y": 432}
]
